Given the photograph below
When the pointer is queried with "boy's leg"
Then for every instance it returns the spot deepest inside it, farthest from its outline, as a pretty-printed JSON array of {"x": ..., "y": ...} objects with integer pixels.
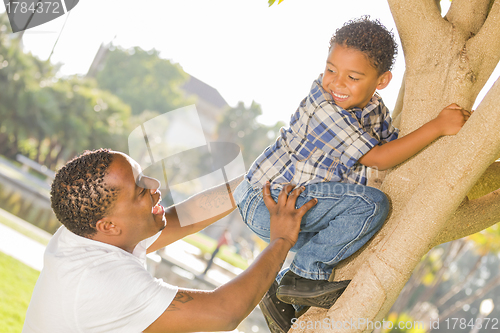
[{"x": 344, "y": 219}]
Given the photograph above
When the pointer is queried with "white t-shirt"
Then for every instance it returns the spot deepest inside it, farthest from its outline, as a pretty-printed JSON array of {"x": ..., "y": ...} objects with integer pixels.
[{"x": 90, "y": 286}]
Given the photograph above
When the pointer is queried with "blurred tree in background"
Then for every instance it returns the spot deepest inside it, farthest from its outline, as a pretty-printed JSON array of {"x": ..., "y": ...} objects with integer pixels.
[
  {"x": 50, "y": 120},
  {"x": 142, "y": 79},
  {"x": 239, "y": 125}
]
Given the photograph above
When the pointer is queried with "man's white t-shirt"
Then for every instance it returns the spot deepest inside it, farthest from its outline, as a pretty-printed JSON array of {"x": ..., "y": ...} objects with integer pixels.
[{"x": 90, "y": 286}]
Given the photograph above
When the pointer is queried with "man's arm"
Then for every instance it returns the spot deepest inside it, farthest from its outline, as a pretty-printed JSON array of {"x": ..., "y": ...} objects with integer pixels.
[
  {"x": 224, "y": 308},
  {"x": 449, "y": 121},
  {"x": 196, "y": 213}
]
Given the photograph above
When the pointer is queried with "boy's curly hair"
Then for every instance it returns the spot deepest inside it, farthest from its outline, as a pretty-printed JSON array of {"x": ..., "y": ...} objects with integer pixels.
[
  {"x": 79, "y": 195},
  {"x": 370, "y": 37}
]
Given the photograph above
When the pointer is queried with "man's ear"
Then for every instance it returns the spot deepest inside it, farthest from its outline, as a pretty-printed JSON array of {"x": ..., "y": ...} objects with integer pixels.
[
  {"x": 384, "y": 79},
  {"x": 107, "y": 227}
]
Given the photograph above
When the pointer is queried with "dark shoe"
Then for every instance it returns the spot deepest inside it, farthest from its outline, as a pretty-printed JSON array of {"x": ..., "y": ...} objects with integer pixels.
[
  {"x": 278, "y": 315},
  {"x": 300, "y": 312},
  {"x": 294, "y": 289}
]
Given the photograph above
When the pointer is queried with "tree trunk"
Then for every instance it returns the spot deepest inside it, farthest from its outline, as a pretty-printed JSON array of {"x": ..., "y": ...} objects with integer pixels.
[{"x": 448, "y": 60}]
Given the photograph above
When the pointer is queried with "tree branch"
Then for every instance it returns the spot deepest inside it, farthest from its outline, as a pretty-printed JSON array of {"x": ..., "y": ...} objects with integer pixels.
[
  {"x": 471, "y": 217},
  {"x": 468, "y": 15},
  {"x": 412, "y": 18},
  {"x": 489, "y": 182},
  {"x": 438, "y": 4},
  {"x": 479, "y": 213},
  {"x": 396, "y": 113},
  {"x": 484, "y": 48}
]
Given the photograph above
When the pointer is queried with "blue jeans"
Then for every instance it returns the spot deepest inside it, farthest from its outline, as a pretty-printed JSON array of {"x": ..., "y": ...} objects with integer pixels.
[{"x": 344, "y": 219}]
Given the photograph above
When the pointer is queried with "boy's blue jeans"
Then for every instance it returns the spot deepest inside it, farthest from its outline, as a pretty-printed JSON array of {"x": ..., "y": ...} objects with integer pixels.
[{"x": 344, "y": 219}]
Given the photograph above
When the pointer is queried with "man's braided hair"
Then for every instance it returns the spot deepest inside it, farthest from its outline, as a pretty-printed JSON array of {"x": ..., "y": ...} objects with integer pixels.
[
  {"x": 79, "y": 195},
  {"x": 371, "y": 38}
]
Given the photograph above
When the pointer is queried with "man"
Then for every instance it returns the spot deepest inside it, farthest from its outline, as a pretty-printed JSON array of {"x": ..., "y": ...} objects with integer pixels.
[{"x": 94, "y": 279}]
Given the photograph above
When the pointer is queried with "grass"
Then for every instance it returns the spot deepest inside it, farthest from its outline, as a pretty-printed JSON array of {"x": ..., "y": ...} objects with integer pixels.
[
  {"x": 16, "y": 286},
  {"x": 208, "y": 245}
]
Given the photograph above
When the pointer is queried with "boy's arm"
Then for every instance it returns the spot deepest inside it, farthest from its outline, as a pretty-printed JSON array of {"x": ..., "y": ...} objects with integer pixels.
[
  {"x": 196, "y": 213},
  {"x": 449, "y": 121},
  {"x": 225, "y": 307}
]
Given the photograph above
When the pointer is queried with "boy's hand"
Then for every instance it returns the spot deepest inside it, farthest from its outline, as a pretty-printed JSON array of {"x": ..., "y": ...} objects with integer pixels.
[
  {"x": 451, "y": 119},
  {"x": 285, "y": 218}
]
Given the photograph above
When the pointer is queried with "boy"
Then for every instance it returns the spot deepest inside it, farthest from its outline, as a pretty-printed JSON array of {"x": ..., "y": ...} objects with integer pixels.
[{"x": 341, "y": 128}]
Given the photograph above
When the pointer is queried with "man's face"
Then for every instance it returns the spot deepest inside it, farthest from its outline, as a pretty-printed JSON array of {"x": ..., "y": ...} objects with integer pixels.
[
  {"x": 350, "y": 77},
  {"x": 136, "y": 209}
]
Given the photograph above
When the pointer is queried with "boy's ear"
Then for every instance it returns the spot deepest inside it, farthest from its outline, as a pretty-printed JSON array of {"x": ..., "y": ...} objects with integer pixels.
[
  {"x": 107, "y": 227},
  {"x": 384, "y": 79}
]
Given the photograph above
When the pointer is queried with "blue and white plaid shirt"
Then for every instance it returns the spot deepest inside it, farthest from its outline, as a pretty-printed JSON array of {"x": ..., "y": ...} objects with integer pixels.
[{"x": 324, "y": 142}]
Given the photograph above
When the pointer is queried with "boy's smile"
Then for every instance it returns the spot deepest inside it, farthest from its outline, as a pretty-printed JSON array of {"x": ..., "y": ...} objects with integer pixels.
[{"x": 350, "y": 78}]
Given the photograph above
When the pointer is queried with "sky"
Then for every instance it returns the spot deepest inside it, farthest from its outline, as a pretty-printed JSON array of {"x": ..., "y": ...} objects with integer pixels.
[{"x": 243, "y": 48}]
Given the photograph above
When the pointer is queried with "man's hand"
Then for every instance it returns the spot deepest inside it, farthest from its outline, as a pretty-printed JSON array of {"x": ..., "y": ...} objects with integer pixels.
[
  {"x": 285, "y": 218},
  {"x": 451, "y": 119}
]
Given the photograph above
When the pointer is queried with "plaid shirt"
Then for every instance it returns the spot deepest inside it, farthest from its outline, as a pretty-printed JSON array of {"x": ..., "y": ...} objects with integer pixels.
[{"x": 324, "y": 142}]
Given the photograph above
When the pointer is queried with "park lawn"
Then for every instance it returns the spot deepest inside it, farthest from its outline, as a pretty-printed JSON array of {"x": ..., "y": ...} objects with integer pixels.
[
  {"x": 208, "y": 245},
  {"x": 16, "y": 286}
]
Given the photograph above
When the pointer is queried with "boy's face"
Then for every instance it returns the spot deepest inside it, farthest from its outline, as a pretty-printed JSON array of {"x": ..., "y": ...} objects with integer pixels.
[{"x": 350, "y": 77}]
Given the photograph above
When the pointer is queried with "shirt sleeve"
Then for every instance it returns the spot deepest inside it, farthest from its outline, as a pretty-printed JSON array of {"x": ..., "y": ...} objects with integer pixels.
[
  {"x": 388, "y": 132},
  {"x": 118, "y": 295},
  {"x": 338, "y": 133}
]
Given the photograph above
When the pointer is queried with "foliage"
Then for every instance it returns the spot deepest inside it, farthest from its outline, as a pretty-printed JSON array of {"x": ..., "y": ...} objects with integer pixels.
[
  {"x": 142, "y": 79},
  {"x": 16, "y": 285},
  {"x": 84, "y": 117},
  {"x": 50, "y": 120},
  {"x": 403, "y": 323},
  {"x": 271, "y": 2},
  {"x": 486, "y": 241}
]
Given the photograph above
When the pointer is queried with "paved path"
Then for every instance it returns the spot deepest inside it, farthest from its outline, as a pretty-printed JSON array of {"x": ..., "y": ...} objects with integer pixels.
[{"x": 21, "y": 247}]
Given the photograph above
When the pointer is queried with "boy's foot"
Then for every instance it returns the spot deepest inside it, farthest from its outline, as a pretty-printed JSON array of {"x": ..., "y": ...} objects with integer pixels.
[
  {"x": 299, "y": 313},
  {"x": 294, "y": 289},
  {"x": 278, "y": 314}
]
